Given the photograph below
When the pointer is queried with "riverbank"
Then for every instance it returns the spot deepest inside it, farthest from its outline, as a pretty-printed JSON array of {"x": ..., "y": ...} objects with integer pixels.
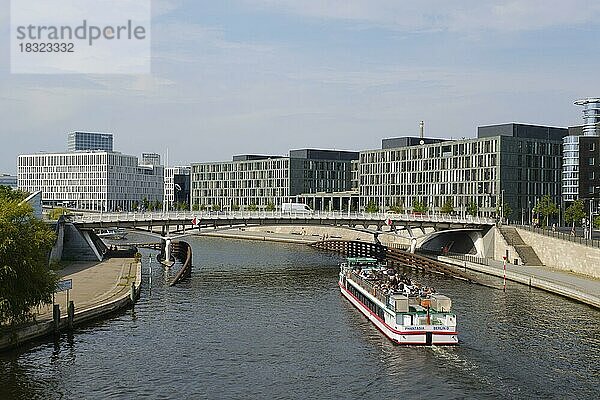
[
  {"x": 576, "y": 287},
  {"x": 99, "y": 289}
]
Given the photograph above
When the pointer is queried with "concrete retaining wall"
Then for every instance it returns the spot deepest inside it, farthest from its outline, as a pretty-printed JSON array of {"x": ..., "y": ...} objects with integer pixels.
[
  {"x": 531, "y": 281},
  {"x": 316, "y": 233},
  {"x": 563, "y": 255},
  {"x": 500, "y": 247}
]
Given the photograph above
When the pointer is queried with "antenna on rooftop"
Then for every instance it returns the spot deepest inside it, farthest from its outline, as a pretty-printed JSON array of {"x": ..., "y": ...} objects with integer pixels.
[{"x": 422, "y": 129}]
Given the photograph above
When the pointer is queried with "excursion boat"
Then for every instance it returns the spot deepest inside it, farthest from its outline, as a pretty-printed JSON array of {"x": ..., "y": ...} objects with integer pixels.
[{"x": 405, "y": 312}]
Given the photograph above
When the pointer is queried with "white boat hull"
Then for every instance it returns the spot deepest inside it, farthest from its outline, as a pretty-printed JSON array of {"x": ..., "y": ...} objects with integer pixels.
[{"x": 413, "y": 335}]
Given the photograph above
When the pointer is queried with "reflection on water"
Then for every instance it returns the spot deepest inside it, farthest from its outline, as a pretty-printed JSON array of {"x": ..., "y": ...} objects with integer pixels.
[{"x": 267, "y": 320}]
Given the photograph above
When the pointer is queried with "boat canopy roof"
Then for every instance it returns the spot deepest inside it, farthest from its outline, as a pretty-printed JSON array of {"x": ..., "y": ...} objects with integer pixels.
[{"x": 362, "y": 260}]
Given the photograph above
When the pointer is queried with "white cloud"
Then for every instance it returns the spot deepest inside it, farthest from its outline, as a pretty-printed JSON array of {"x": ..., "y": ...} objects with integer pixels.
[{"x": 426, "y": 15}]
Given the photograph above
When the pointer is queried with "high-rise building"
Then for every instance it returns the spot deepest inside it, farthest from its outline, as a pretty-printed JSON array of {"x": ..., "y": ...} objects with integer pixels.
[
  {"x": 88, "y": 141},
  {"x": 581, "y": 149}
]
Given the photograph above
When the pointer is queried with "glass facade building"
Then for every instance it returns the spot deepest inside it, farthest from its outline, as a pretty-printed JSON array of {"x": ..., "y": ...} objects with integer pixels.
[{"x": 89, "y": 141}]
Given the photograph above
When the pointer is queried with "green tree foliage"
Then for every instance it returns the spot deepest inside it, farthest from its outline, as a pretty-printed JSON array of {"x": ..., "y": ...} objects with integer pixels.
[
  {"x": 252, "y": 207},
  {"x": 546, "y": 207},
  {"x": 448, "y": 207},
  {"x": 371, "y": 207},
  {"x": 506, "y": 210},
  {"x": 235, "y": 207},
  {"x": 146, "y": 204},
  {"x": 202, "y": 207},
  {"x": 419, "y": 206},
  {"x": 472, "y": 209},
  {"x": 56, "y": 213},
  {"x": 270, "y": 206},
  {"x": 8, "y": 194},
  {"x": 397, "y": 208},
  {"x": 216, "y": 207},
  {"x": 575, "y": 213},
  {"x": 597, "y": 222},
  {"x": 26, "y": 280},
  {"x": 195, "y": 207}
]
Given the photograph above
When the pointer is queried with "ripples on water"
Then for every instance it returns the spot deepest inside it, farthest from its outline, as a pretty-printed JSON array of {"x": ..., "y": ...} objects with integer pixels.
[{"x": 267, "y": 320}]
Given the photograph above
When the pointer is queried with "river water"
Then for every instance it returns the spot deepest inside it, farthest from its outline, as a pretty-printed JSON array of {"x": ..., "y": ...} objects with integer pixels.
[{"x": 266, "y": 320}]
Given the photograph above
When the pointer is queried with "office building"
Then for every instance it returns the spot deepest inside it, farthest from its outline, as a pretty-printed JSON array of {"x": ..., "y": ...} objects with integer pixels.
[
  {"x": 150, "y": 159},
  {"x": 8, "y": 180},
  {"x": 260, "y": 180},
  {"x": 177, "y": 188},
  {"x": 581, "y": 149},
  {"x": 517, "y": 162},
  {"x": 88, "y": 141},
  {"x": 95, "y": 180}
]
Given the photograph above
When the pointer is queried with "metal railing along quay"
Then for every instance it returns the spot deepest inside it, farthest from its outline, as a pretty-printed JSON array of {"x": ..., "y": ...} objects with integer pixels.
[{"x": 561, "y": 235}]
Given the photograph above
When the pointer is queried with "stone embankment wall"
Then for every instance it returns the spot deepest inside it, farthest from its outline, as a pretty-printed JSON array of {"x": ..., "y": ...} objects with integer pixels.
[
  {"x": 332, "y": 232},
  {"x": 500, "y": 246},
  {"x": 564, "y": 255}
]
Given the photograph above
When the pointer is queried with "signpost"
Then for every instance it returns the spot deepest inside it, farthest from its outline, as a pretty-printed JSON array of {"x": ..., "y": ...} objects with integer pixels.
[{"x": 63, "y": 285}]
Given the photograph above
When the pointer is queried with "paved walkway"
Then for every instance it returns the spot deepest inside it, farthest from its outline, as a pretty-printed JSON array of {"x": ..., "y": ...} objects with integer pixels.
[
  {"x": 94, "y": 283},
  {"x": 578, "y": 287}
]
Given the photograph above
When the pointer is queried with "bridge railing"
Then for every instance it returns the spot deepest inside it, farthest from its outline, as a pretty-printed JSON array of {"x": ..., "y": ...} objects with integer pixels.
[{"x": 328, "y": 215}]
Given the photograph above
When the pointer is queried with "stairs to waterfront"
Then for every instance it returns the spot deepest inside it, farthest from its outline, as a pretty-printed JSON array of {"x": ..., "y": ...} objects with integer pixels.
[{"x": 526, "y": 252}]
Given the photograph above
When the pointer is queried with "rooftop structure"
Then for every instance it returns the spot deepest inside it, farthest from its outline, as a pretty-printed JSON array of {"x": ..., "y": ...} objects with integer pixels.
[{"x": 86, "y": 141}]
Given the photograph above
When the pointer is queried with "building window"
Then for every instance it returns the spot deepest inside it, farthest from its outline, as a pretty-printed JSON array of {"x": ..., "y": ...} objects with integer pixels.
[
  {"x": 592, "y": 146},
  {"x": 591, "y": 161}
]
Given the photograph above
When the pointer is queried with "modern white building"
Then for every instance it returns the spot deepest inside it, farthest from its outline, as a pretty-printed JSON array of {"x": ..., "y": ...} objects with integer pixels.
[{"x": 90, "y": 180}]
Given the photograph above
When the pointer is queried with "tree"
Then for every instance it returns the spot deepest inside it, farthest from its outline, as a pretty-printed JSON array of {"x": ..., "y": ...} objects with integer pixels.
[
  {"x": 597, "y": 222},
  {"x": 397, "y": 208},
  {"x": 195, "y": 207},
  {"x": 448, "y": 207},
  {"x": 185, "y": 206},
  {"x": 26, "y": 280},
  {"x": 56, "y": 213},
  {"x": 270, "y": 206},
  {"x": 506, "y": 210},
  {"x": 146, "y": 204},
  {"x": 252, "y": 207},
  {"x": 235, "y": 207},
  {"x": 575, "y": 213},
  {"x": 472, "y": 209},
  {"x": 216, "y": 207},
  {"x": 202, "y": 207},
  {"x": 8, "y": 194},
  {"x": 546, "y": 207},
  {"x": 420, "y": 206},
  {"x": 371, "y": 207}
]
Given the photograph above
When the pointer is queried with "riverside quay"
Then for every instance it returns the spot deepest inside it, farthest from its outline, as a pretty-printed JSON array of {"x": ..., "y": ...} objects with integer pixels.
[{"x": 517, "y": 162}]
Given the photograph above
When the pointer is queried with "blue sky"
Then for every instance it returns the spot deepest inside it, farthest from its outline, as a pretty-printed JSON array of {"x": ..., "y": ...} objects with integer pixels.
[{"x": 264, "y": 76}]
